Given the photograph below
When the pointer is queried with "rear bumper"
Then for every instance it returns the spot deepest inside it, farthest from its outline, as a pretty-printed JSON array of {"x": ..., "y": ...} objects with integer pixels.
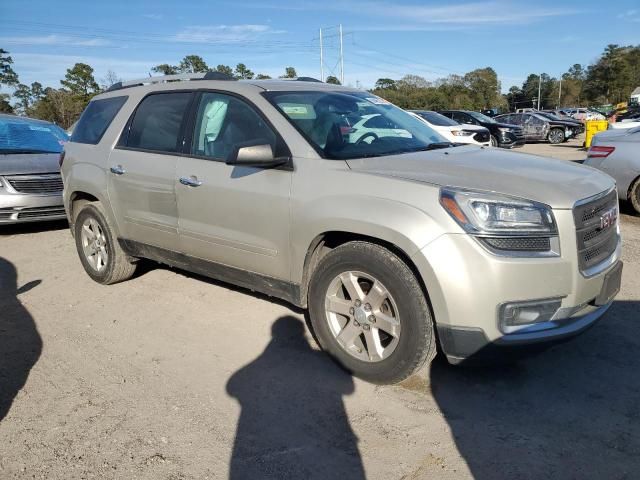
[{"x": 19, "y": 208}]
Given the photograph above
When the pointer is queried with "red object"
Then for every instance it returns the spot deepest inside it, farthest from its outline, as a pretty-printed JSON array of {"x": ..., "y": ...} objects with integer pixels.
[{"x": 600, "y": 151}]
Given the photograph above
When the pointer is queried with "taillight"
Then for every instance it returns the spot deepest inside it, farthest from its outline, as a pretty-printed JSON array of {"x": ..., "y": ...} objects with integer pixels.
[
  {"x": 599, "y": 151},
  {"x": 345, "y": 130},
  {"x": 61, "y": 159}
]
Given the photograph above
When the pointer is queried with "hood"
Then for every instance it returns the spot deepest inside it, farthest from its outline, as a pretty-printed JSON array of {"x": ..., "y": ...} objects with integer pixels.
[
  {"x": 557, "y": 183},
  {"x": 506, "y": 125},
  {"x": 29, "y": 163},
  {"x": 477, "y": 128}
]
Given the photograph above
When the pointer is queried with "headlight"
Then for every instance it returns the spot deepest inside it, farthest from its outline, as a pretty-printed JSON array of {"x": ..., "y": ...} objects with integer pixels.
[
  {"x": 461, "y": 133},
  {"x": 503, "y": 224},
  {"x": 504, "y": 129}
]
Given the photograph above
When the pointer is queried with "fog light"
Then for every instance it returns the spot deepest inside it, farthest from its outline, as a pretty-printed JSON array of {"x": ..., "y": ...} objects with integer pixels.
[{"x": 518, "y": 315}]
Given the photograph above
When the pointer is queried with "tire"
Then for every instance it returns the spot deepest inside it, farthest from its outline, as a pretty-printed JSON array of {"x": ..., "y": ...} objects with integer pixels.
[
  {"x": 634, "y": 195},
  {"x": 115, "y": 265},
  {"x": 404, "y": 311},
  {"x": 494, "y": 141},
  {"x": 556, "y": 135}
]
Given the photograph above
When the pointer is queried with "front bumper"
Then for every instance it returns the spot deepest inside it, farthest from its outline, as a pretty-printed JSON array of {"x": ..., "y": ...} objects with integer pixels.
[
  {"x": 21, "y": 208},
  {"x": 467, "y": 284},
  {"x": 510, "y": 140}
]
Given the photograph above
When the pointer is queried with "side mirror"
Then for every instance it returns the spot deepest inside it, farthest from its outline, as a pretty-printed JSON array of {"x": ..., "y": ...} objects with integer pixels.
[{"x": 254, "y": 154}]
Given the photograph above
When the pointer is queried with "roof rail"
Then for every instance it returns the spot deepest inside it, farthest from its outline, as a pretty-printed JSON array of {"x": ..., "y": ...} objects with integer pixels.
[
  {"x": 301, "y": 79},
  {"x": 170, "y": 78}
]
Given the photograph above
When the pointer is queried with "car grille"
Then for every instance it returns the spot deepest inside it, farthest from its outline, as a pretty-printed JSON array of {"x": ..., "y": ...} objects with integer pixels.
[
  {"x": 519, "y": 134},
  {"x": 13, "y": 214},
  {"x": 45, "y": 184},
  {"x": 482, "y": 137},
  {"x": 595, "y": 243}
]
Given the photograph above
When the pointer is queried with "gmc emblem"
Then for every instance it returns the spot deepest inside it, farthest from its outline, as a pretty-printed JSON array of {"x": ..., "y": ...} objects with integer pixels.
[{"x": 608, "y": 218}]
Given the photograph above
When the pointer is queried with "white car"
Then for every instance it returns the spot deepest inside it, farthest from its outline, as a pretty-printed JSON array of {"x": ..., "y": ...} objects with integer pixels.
[
  {"x": 373, "y": 126},
  {"x": 584, "y": 114},
  {"x": 624, "y": 124},
  {"x": 452, "y": 130}
]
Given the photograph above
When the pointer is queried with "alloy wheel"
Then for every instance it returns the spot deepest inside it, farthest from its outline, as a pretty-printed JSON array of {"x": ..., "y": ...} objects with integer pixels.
[{"x": 94, "y": 244}]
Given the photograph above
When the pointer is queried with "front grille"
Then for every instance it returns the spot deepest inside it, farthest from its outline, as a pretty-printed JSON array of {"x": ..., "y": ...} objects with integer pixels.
[
  {"x": 519, "y": 244},
  {"x": 46, "y": 184},
  {"x": 595, "y": 243},
  {"x": 482, "y": 137},
  {"x": 42, "y": 212},
  {"x": 518, "y": 133}
]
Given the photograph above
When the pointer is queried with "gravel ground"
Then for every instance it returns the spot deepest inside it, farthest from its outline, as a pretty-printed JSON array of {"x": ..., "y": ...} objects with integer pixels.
[{"x": 172, "y": 376}]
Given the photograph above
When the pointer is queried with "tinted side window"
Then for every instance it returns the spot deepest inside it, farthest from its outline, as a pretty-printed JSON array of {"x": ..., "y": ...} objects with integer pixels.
[
  {"x": 223, "y": 122},
  {"x": 95, "y": 120},
  {"x": 157, "y": 121}
]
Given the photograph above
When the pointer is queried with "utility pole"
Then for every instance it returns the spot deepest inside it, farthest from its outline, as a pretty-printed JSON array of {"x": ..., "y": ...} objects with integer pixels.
[
  {"x": 539, "y": 89},
  {"x": 560, "y": 93},
  {"x": 321, "y": 59},
  {"x": 341, "y": 59}
]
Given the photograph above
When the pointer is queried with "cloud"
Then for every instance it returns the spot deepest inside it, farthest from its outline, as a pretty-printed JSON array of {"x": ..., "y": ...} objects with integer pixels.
[
  {"x": 420, "y": 16},
  {"x": 223, "y": 33},
  {"x": 52, "y": 40},
  {"x": 632, "y": 15},
  {"x": 153, "y": 16}
]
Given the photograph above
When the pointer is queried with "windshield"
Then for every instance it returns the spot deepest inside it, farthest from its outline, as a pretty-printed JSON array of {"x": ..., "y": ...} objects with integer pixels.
[
  {"x": 481, "y": 118},
  {"x": 23, "y": 135},
  {"x": 436, "y": 118},
  {"x": 344, "y": 125}
]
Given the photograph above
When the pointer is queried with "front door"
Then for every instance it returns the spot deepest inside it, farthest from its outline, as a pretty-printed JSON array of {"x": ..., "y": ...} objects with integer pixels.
[
  {"x": 534, "y": 128},
  {"x": 142, "y": 171},
  {"x": 236, "y": 216}
]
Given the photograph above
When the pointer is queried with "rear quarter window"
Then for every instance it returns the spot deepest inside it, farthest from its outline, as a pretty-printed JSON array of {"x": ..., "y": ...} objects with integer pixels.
[{"x": 96, "y": 118}]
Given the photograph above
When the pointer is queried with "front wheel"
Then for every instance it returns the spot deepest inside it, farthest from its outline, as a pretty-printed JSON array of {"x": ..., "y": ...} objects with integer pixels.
[
  {"x": 99, "y": 251},
  {"x": 634, "y": 195},
  {"x": 369, "y": 312},
  {"x": 494, "y": 141},
  {"x": 556, "y": 135}
]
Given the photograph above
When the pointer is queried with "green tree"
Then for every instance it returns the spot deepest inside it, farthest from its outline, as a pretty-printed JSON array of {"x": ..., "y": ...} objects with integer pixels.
[
  {"x": 37, "y": 91},
  {"x": 23, "y": 94},
  {"x": 5, "y": 106},
  {"x": 262, "y": 76},
  {"x": 7, "y": 76},
  {"x": 59, "y": 106},
  {"x": 290, "y": 72},
  {"x": 484, "y": 87},
  {"x": 333, "y": 80},
  {"x": 385, "y": 83},
  {"x": 243, "y": 72},
  {"x": 79, "y": 81},
  {"x": 193, "y": 64},
  {"x": 165, "y": 69},
  {"x": 226, "y": 69}
]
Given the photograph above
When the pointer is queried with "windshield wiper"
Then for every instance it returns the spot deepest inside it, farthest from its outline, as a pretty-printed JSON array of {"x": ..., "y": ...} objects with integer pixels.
[{"x": 438, "y": 145}]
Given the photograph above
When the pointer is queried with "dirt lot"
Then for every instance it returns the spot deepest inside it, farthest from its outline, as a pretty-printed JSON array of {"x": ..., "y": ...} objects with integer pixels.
[{"x": 172, "y": 376}]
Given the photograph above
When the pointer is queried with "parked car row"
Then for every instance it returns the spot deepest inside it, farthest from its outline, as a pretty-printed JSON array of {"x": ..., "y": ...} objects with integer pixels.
[{"x": 540, "y": 126}]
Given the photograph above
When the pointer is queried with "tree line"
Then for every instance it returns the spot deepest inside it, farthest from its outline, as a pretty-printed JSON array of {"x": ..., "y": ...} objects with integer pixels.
[{"x": 609, "y": 80}]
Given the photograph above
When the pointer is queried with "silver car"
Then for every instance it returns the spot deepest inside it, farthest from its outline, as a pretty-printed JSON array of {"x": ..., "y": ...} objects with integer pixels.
[
  {"x": 617, "y": 152},
  {"x": 392, "y": 243},
  {"x": 30, "y": 181}
]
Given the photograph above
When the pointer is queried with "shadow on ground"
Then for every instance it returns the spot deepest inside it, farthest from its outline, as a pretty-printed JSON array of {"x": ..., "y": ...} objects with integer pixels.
[
  {"x": 293, "y": 422},
  {"x": 573, "y": 411},
  {"x": 32, "y": 227},
  {"x": 20, "y": 343}
]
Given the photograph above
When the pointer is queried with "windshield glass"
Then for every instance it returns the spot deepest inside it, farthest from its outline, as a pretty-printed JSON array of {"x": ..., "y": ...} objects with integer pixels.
[
  {"x": 435, "y": 118},
  {"x": 344, "y": 125},
  {"x": 481, "y": 118},
  {"x": 23, "y": 135}
]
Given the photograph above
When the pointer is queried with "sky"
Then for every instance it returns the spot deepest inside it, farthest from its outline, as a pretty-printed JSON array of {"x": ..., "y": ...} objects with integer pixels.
[{"x": 381, "y": 38}]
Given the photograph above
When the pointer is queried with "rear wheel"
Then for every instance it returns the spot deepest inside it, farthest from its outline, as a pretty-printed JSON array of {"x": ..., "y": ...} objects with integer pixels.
[
  {"x": 556, "y": 135},
  {"x": 634, "y": 195},
  {"x": 99, "y": 251},
  {"x": 369, "y": 312}
]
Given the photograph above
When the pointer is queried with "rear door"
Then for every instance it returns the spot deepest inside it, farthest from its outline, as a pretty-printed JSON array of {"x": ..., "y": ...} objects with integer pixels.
[
  {"x": 232, "y": 215},
  {"x": 534, "y": 127},
  {"x": 143, "y": 170}
]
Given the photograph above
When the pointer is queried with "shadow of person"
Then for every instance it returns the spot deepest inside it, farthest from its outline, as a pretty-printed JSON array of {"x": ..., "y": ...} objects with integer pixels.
[
  {"x": 572, "y": 411},
  {"x": 293, "y": 423},
  {"x": 20, "y": 343}
]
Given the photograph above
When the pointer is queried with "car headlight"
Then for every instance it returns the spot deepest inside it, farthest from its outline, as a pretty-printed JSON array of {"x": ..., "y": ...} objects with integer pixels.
[
  {"x": 461, "y": 133},
  {"x": 504, "y": 129},
  {"x": 503, "y": 224}
]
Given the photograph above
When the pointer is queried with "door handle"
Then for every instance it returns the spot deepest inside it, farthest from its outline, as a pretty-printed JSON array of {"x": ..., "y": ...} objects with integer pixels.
[
  {"x": 190, "y": 181},
  {"x": 117, "y": 170}
]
